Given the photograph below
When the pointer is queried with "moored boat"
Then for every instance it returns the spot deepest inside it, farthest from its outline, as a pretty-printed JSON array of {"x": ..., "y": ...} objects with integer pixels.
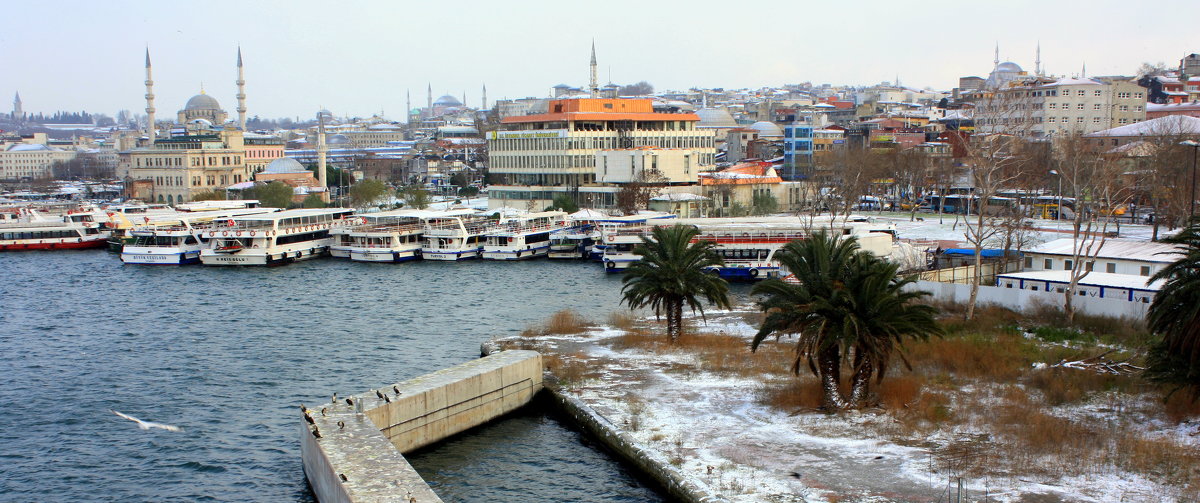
[
  {"x": 276, "y": 238},
  {"x": 455, "y": 237},
  {"x": 524, "y": 237},
  {"x": 180, "y": 240}
]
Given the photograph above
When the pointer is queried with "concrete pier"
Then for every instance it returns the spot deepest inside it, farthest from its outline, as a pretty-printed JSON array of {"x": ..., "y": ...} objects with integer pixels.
[{"x": 360, "y": 459}]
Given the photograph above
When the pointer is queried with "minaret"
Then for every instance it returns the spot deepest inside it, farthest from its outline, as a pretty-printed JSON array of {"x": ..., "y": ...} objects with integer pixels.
[
  {"x": 1037, "y": 63},
  {"x": 151, "y": 130},
  {"x": 241, "y": 94},
  {"x": 592, "y": 85},
  {"x": 18, "y": 113},
  {"x": 996, "y": 62},
  {"x": 407, "y": 107},
  {"x": 321, "y": 152},
  {"x": 484, "y": 97},
  {"x": 1083, "y": 73},
  {"x": 428, "y": 100}
]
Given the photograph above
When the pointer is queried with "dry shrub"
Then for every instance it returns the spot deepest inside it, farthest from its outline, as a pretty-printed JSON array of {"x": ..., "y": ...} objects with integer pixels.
[
  {"x": 568, "y": 370},
  {"x": 1180, "y": 406},
  {"x": 1062, "y": 386},
  {"x": 899, "y": 392},
  {"x": 1002, "y": 357},
  {"x": 928, "y": 410},
  {"x": 792, "y": 395},
  {"x": 565, "y": 322},
  {"x": 622, "y": 320},
  {"x": 721, "y": 352}
]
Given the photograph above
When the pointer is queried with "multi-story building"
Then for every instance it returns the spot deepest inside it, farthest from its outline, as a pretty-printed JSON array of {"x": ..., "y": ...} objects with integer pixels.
[
  {"x": 30, "y": 161},
  {"x": 560, "y": 152},
  {"x": 183, "y": 166},
  {"x": 1044, "y": 107},
  {"x": 261, "y": 149}
]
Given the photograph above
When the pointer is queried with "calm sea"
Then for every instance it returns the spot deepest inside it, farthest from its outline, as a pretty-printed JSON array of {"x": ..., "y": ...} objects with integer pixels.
[{"x": 229, "y": 354}]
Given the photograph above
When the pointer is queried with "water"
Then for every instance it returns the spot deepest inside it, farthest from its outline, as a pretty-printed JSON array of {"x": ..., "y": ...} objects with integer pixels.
[{"x": 228, "y": 354}]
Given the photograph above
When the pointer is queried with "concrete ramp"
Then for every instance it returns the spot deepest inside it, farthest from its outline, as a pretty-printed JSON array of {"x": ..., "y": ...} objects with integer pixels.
[{"x": 360, "y": 459}]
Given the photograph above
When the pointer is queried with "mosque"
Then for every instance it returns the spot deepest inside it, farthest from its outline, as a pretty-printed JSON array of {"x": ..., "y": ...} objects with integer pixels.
[{"x": 201, "y": 112}]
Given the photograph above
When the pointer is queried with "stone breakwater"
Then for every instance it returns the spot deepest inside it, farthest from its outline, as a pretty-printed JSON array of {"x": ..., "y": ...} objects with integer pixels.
[
  {"x": 655, "y": 465},
  {"x": 353, "y": 450}
]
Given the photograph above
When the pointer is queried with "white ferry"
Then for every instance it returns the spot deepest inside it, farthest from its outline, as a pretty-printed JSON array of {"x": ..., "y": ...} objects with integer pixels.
[
  {"x": 393, "y": 236},
  {"x": 456, "y": 237},
  {"x": 748, "y": 245},
  {"x": 274, "y": 239},
  {"x": 25, "y": 229},
  {"x": 344, "y": 242},
  {"x": 177, "y": 241},
  {"x": 574, "y": 243},
  {"x": 619, "y": 242},
  {"x": 524, "y": 237},
  {"x": 611, "y": 225}
]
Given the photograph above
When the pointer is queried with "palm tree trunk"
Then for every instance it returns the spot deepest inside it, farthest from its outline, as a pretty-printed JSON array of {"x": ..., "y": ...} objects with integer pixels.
[
  {"x": 829, "y": 362},
  {"x": 861, "y": 380}
]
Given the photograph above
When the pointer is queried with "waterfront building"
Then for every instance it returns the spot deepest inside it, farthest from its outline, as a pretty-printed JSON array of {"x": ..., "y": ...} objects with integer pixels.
[
  {"x": 29, "y": 161},
  {"x": 180, "y": 167},
  {"x": 562, "y": 151}
]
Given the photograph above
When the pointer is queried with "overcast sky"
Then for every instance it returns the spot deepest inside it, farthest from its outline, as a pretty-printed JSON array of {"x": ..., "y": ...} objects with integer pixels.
[{"x": 359, "y": 58}]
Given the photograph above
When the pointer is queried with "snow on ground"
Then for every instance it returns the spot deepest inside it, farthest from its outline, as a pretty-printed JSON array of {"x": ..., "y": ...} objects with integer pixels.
[{"x": 715, "y": 428}]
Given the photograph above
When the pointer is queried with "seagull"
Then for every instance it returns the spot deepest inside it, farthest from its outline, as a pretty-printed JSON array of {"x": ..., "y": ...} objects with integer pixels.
[
  {"x": 334, "y": 398},
  {"x": 146, "y": 425}
]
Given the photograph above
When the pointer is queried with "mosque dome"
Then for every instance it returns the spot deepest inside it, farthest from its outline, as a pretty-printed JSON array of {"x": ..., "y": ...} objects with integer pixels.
[
  {"x": 202, "y": 102},
  {"x": 715, "y": 118},
  {"x": 338, "y": 139},
  {"x": 447, "y": 101},
  {"x": 284, "y": 165},
  {"x": 1009, "y": 66},
  {"x": 767, "y": 129}
]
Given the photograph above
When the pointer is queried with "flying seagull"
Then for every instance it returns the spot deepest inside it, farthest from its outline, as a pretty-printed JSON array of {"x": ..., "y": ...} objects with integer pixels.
[{"x": 146, "y": 425}]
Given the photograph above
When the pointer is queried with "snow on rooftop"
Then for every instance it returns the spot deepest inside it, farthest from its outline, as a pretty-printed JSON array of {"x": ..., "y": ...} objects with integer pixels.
[
  {"x": 1169, "y": 125},
  {"x": 1104, "y": 279},
  {"x": 1125, "y": 249}
]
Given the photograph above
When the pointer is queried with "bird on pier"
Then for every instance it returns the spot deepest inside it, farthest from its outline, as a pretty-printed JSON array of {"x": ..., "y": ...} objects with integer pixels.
[
  {"x": 316, "y": 432},
  {"x": 386, "y": 399},
  {"x": 343, "y": 477},
  {"x": 341, "y": 425},
  {"x": 309, "y": 418},
  {"x": 303, "y": 409},
  {"x": 334, "y": 398},
  {"x": 397, "y": 390},
  {"x": 349, "y": 402},
  {"x": 378, "y": 394},
  {"x": 323, "y": 411}
]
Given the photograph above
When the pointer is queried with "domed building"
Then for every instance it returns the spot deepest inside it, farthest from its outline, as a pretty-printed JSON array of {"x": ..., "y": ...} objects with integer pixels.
[
  {"x": 202, "y": 106},
  {"x": 1003, "y": 73},
  {"x": 767, "y": 129}
]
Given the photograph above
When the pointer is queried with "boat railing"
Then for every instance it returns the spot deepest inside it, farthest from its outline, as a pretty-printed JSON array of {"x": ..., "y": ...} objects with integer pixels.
[
  {"x": 41, "y": 224},
  {"x": 387, "y": 228},
  {"x": 750, "y": 237}
]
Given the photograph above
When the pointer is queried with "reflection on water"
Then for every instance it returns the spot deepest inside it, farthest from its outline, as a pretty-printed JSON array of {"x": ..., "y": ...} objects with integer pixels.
[{"x": 227, "y": 354}]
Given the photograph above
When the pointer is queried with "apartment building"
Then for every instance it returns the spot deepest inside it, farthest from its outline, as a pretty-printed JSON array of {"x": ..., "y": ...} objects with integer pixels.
[
  {"x": 1045, "y": 107},
  {"x": 564, "y": 150},
  {"x": 177, "y": 168}
]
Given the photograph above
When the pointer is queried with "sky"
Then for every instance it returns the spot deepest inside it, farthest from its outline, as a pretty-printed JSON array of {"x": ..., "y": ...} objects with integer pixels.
[{"x": 360, "y": 58}]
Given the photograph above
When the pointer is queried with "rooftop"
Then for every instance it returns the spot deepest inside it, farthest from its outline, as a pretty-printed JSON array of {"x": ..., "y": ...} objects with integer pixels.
[
  {"x": 1125, "y": 249},
  {"x": 1104, "y": 279}
]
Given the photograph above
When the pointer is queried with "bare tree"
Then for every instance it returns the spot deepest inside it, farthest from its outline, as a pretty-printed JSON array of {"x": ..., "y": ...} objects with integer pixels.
[
  {"x": 846, "y": 176},
  {"x": 636, "y": 195},
  {"x": 1095, "y": 183}
]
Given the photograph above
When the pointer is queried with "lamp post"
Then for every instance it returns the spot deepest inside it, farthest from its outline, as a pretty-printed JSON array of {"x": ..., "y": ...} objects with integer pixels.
[
  {"x": 1192, "y": 195},
  {"x": 1058, "y": 195}
]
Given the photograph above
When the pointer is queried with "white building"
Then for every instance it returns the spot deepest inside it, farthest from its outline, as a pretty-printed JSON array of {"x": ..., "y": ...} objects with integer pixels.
[
  {"x": 1042, "y": 107},
  {"x": 1117, "y": 256},
  {"x": 31, "y": 160},
  {"x": 1101, "y": 285}
]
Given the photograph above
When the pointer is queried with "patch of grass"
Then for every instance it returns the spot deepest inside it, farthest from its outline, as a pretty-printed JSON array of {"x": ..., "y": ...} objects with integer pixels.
[
  {"x": 622, "y": 320},
  {"x": 1180, "y": 407},
  {"x": 928, "y": 411},
  {"x": 565, "y": 322},
  {"x": 899, "y": 392},
  {"x": 1062, "y": 386},
  {"x": 1001, "y": 357},
  {"x": 792, "y": 395},
  {"x": 568, "y": 370}
]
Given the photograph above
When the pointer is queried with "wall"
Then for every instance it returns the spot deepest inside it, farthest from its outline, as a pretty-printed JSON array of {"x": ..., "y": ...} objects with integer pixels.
[
  {"x": 367, "y": 446},
  {"x": 1021, "y": 300}
]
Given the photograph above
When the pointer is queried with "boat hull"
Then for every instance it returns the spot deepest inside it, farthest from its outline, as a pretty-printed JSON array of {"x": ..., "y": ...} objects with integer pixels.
[
  {"x": 54, "y": 245},
  {"x": 384, "y": 255},
  {"x": 449, "y": 255},
  {"x": 523, "y": 254},
  {"x": 160, "y": 258},
  {"x": 259, "y": 258}
]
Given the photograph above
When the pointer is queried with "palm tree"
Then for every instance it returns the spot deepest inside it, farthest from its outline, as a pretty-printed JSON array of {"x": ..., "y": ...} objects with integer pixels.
[
  {"x": 846, "y": 302},
  {"x": 1175, "y": 315},
  {"x": 672, "y": 273}
]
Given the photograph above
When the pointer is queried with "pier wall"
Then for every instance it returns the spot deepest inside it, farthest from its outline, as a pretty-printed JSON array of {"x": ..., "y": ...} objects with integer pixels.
[{"x": 367, "y": 446}]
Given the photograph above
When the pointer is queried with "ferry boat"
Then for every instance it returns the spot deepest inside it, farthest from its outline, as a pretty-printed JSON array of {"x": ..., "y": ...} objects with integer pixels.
[
  {"x": 456, "y": 237},
  {"x": 524, "y": 237},
  {"x": 344, "y": 242},
  {"x": 619, "y": 242},
  {"x": 275, "y": 238},
  {"x": 391, "y": 236},
  {"x": 611, "y": 225},
  {"x": 119, "y": 219},
  {"x": 177, "y": 241},
  {"x": 25, "y": 229},
  {"x": 574, "y": 243}
]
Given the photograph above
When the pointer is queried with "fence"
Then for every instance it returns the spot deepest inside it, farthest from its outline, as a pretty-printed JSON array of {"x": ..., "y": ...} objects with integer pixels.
[
  {"x": 966, "y": 274},
  {"x": 1022, "y": 300}
]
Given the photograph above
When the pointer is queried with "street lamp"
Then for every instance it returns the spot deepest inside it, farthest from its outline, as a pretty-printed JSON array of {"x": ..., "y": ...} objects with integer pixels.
[
  {"x": 1192, "y": 195},
  {"x": 1058, "y": 195}
]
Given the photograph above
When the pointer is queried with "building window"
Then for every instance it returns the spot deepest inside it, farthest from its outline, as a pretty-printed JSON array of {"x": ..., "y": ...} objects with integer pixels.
[
  {"x": 1096, "y": 106},
  {"x": 1029, "y": 262},
  {"x": 1145, "y": 270},
  {"x": 1079, "y": 106},
  {"x": 1067, "y": 264},
  {"x": 1110, "y": 268},
  {"x": 1048, "y": 264}
]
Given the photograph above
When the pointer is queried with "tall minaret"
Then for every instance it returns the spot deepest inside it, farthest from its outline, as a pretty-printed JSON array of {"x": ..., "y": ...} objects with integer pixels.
[
  {"x": 484, "y": 97},
  {"x": 17, "y": 113},
  {"x": 429, "y": 99},
  {"x": 241, "y": 94},
  {"x": 321, "y": 151},
  {"x": 996, "y": 62},
  {"x": 1037, "y": 63},
  {"x": 592, "y": 84},
  {"x": 407, "y": 107},
  {"x": 1083, "y": 73},
  {"x": 151, "y": 130}
]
